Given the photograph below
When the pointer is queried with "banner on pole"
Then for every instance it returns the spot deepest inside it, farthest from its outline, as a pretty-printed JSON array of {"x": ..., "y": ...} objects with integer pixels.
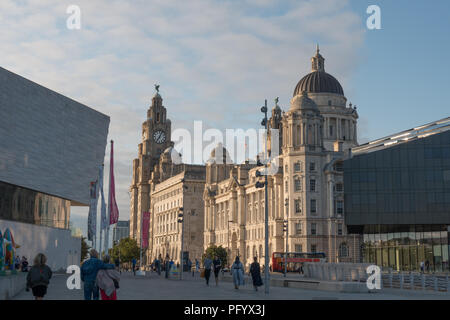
[
  {"x": 145, "y": 229},
  {"x": 103, "y": 222},
  {"x": 92, "y": 217},
  {"x": 113, "y": 209}
]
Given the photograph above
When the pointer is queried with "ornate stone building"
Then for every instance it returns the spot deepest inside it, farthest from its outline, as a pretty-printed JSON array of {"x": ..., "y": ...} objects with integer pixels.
[
  {"x": 162, "y": 187},
  {"x": 156, "y": 132},
  {"x": 316, "y": 134}
]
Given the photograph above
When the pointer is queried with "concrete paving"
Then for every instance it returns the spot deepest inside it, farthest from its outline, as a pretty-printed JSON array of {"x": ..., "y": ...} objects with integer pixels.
[{"x": 154, "y": 287}]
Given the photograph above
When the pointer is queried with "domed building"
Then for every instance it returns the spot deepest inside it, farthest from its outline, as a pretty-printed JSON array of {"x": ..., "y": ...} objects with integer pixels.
[
  {"x": 221, "y": 203},
  {"x": 315, "y": 135}
]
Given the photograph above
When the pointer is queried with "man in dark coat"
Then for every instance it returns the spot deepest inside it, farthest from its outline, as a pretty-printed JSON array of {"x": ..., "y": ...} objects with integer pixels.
[{"x": 255, "y": 272}]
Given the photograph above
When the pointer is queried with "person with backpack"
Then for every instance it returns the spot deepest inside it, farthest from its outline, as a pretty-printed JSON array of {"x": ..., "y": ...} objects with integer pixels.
[
  {"x": 88, "y": 274},
  {"x": 108, "y": 281},
  {"x": 39, "y": 277}
]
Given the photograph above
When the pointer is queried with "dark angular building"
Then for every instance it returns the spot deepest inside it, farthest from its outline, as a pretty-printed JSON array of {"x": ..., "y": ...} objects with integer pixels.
[{"x": 397, "y": 195}]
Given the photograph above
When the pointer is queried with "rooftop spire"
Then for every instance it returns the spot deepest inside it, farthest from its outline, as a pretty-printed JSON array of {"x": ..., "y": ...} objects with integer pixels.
[{"x": 318, "y": 62}]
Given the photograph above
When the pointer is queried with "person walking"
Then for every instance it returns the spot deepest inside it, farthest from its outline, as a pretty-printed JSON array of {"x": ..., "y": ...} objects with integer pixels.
[
  {"x": 88, "y": 274},
  {"x": 207, "y": 265},
  {"x": 197, "y": 265},
  {"x": 24, "y": 264},
  {"x": 237, "y": 270},
  {"x": 39, "y": 277},
  {"x": 166, "y": 266},
  {"x": 133, "y": 262},
  {"x": 427, "y": 265},
  {"x": 108, "y": 281},
  {"x": 158, "y": 264},
  {"x": 422, "y": 266},
  {"x": 117, "y": 263},
  {"x": 301, "y": 269},
  {"x": 17, "y": 263},
  {"x": 217, "y": 265},
  {"x": 189, "y": 265},
  {"x": 255, "y": 272}
]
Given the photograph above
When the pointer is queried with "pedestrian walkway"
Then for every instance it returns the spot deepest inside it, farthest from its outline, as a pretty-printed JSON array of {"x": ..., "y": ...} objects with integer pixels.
[{"x": 154, "y": 287}]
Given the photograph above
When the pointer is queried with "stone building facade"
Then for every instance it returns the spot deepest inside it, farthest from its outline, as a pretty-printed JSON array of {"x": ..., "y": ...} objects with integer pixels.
[
  {"x": 156, "y": 132},
  {"x": 162, "y": 187},
  {"x": 316, "y": 134},
  {"x": 220, "y": 201}
]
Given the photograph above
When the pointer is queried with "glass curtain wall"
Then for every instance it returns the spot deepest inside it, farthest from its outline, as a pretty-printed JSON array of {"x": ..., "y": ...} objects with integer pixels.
[{"x": 404, "y": 247}]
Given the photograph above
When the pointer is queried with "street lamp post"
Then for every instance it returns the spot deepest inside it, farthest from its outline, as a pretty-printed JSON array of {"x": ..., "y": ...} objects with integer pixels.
[
  {"x": 285, "y": 229},
  {"x": 265, "y": 123},
  {"x": 228, "y": 236},
  {"x": 181, "y": 220}
]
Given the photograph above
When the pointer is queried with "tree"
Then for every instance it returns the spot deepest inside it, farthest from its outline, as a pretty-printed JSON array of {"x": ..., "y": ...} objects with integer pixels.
[
  {"x": 128, "y": 248},
  {"x": 84, "y": 249},
  {"x": 218, "y": 251}
]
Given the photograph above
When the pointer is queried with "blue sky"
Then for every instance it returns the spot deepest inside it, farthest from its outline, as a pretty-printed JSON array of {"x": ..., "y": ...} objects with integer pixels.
[
  {"x": 404, "y": 77},
  {"x": 217, "y": 61}
]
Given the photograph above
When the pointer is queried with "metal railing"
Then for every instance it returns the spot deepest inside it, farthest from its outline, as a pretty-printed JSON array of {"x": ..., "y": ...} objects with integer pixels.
[{"x": 416, "y": 281}]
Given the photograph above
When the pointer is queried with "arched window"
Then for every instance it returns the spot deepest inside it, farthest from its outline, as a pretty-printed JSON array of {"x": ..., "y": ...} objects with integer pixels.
[{"x": 343, "y": 250}]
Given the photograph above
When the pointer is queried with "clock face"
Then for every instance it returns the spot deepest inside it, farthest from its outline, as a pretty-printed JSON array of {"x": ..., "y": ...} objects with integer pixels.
[{"x": 159, "y": 136}]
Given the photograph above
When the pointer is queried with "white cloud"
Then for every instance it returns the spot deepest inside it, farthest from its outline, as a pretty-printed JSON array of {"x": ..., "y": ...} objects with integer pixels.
[{"x": 215, "y": 60}]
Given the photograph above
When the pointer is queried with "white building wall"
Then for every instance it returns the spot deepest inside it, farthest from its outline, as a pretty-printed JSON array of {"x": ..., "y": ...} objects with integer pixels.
[{"x": 60, "y": 248}]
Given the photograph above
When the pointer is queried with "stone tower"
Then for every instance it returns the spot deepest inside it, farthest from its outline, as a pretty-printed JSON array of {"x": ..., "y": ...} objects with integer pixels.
[{"x": 155, "y": 139}]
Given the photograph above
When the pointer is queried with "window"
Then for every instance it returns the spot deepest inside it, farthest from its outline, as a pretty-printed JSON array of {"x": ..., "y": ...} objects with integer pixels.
[
  {"x": 297, "y": 166},
  {"x": 343, "y": 250},
  {"x": 298, "y": 228},
  {"x": 286, "y": 169},
  {"x": 312, "y": 166},
  {"x": 313, "y": 229},
  {"x": 286, "y": 185},
  {"x": 339, "y": 187},
  {"x": 339, "y": 166},
  {"x": 297, "y": 184},
  {"x": 339, "y": 207},
  {"x": 339, "y": 229},
  {"x": 313, "y": 248},
  {"x": 313, "y": 206},
  {"x": 298, "y": 207},
  {"x": 298, "y": 248},
  {"x": 331, "y": 131},
  {"x": 312, "y": 185},
  {"x": 329, "y": 102}
]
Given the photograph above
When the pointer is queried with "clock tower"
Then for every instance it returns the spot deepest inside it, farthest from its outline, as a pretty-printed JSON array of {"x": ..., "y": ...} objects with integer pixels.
[{"x": 156, "y": 132}]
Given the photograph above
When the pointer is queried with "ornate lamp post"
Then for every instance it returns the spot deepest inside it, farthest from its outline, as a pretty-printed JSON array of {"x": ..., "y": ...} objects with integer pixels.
[{"x": 264, "y": 184}]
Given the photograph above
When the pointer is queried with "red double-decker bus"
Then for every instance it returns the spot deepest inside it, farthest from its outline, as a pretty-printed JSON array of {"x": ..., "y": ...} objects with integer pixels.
[{"x": 294, "y": 260}]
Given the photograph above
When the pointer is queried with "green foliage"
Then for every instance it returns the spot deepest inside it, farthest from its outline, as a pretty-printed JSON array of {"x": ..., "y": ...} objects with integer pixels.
[
  {"x": 218, "y": 251},
  {"x": 128, "y": 248},
  {"x": 84, "y": 249}
]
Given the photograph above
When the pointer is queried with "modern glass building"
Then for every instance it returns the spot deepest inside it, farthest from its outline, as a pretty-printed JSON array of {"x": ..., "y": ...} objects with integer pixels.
[
  {"x": 397, "y": 195},
  {"x": 51, "y": 148}
]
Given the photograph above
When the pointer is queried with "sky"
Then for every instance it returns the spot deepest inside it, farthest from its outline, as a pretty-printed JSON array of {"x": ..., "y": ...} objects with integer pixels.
[{"x": 216, "y": 61}]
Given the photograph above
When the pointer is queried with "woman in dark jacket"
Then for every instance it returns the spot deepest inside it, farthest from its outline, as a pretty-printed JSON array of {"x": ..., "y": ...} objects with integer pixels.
[
  {"x": 255, "y": 272},
  {"x": 39, "y": 277}
]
